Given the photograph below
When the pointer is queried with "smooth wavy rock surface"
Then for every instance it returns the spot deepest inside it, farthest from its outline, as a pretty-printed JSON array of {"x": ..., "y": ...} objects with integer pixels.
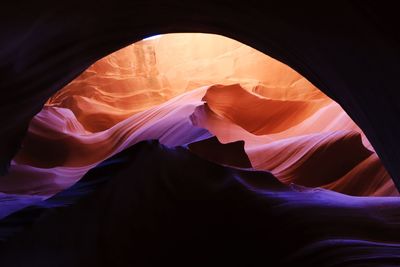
[{"x": 223, "y": 101}]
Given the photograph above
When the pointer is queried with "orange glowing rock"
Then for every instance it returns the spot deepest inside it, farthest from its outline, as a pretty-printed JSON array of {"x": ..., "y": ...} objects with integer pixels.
[{"x": 182, "y": 88}]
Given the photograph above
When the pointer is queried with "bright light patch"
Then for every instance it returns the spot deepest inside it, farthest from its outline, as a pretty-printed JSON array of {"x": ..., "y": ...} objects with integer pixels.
[{"x": 152, "y": 37}]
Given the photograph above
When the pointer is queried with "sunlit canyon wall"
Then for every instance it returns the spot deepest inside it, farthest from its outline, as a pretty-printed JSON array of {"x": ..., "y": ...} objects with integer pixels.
[{"x": 187, "y": 88}]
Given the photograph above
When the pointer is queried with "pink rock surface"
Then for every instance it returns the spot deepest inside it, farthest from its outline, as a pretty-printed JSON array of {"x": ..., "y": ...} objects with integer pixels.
[{"x": 168, "y": 90}]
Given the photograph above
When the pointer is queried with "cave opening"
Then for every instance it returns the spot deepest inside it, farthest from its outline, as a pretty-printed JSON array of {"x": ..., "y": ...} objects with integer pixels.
[
  {"x": 224, "y": 100},
  {"x": 207, "y": 95},
  {"x": 226, "y": 191}
]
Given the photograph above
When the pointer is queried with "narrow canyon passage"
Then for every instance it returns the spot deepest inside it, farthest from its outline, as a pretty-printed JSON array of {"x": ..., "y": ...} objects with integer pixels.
[{"x": 210, "y": 102}]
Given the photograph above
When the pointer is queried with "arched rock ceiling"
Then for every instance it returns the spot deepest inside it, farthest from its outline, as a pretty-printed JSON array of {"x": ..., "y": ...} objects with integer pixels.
[{"x": 349, "y": 50}]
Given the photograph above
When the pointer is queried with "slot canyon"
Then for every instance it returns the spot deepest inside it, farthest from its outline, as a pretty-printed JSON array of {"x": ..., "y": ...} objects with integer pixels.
[{"x": 217, "y": 135}]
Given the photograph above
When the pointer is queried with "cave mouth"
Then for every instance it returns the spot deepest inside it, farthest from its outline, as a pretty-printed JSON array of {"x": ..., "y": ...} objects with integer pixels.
[
  {"x": 221, "y": 99},
  {"x": 348, "y": 50}
]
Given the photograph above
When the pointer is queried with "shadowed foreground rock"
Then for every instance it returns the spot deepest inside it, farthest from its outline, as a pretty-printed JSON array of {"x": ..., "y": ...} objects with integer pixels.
[{"x": 165, "y": 206}]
